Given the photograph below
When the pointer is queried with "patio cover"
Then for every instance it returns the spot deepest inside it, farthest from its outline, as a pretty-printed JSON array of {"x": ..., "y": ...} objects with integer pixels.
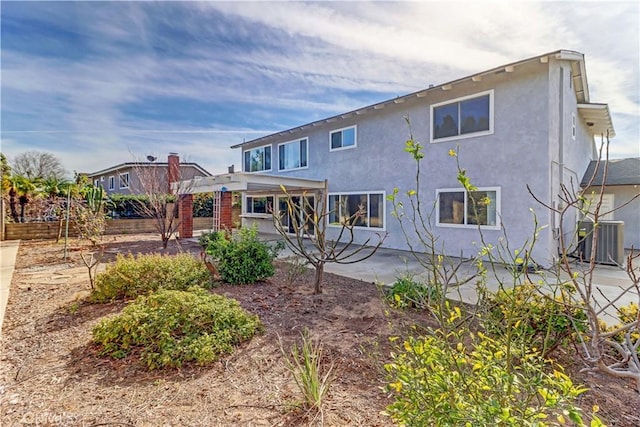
[{"x": 240, "y": 181}]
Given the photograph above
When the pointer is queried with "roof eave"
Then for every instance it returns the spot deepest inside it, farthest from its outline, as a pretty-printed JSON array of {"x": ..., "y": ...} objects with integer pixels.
[
  {"x": 579, "y": 77},
  {"x": 144, "y": 164},
  {"x": 597, "y": 118}
]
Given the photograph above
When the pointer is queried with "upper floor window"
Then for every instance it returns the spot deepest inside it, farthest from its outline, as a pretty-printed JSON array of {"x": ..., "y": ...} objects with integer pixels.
[
  {"x": 462, "y": 117},
  {"x": 469, "y": 208},
  {"x": 357, "y": 209},
  {"x": 573, "y": 125},
  {"x": 112, "y": 182},
  {"x": 292, "y": 155},
  {"x": 124, "y": 180},
  {"x": 343, "y": 138},
  {"x": 257, "y": 159},
  {"x": 96, "y": 182}
]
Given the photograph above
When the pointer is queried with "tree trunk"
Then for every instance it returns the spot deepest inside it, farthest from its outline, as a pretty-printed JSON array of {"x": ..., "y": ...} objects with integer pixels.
[
  {"x": 23, "y": 202},
  {"x": 317, "y": 285},
  {"x": 12, "y": 204},
  {"x": 60, "y": 220},
  {"x": 165, "y": 241}
]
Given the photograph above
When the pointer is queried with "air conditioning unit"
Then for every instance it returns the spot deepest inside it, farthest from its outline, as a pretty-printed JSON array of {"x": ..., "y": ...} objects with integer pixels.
[{"x": 610, "y": 242}]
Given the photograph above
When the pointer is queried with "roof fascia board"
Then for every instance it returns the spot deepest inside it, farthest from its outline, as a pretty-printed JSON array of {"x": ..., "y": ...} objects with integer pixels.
[
  {"x": 599, "y": 112},
  {"x": 145, "y": 164},
  {"x": 558, "y": 54},
  {"x": 111, "y": 169},
  {"x": 241, "y": 181}
]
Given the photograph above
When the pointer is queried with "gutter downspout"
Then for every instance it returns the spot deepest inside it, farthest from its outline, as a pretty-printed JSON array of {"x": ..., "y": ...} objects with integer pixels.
[{"x": 558, "y": 227}]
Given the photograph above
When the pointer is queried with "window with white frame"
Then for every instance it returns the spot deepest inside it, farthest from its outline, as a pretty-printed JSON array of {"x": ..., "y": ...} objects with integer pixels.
[
  {"x": 342, "y": 138},
  {"x": 96, "y": 182},
  {"x": 124, "y": 180},
  {"x": 257, "y": 159},
  {"x": 112, "y": 183},
  {"x": 259, "y": 204},
  {"x": 573, "y": 125},
  {"x": 358, "y": 209},
  {"x": 462, "y": 117},
  {"x": 292, "y": 155},
  {"x": 468, "y": 208}
]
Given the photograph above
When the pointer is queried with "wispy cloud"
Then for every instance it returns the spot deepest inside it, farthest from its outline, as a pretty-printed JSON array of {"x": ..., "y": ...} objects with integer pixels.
[{"x": 93, "y": 82}]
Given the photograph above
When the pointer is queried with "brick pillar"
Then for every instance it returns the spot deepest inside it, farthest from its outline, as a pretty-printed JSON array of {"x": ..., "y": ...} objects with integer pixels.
[
  {"x": 226, "y": 216},
  {"x": 185, "y": 212},
  {"x": 173, "y": 169}
]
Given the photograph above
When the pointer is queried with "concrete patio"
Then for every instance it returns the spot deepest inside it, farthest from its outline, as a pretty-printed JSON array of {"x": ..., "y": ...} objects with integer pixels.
[{"x": 387, "y": 265}]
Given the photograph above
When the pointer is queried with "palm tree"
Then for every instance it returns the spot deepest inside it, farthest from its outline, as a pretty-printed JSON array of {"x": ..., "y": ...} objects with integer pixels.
[{"x": 24, "y": 188}]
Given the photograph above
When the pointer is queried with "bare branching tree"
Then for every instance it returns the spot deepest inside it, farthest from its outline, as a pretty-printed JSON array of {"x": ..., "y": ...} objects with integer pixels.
[
  {"x": 303, "y": 225},
  {"x": 161, "y": 204},
  {"x": 35, "y": 165},
  {"x": 613, "y": 351}
]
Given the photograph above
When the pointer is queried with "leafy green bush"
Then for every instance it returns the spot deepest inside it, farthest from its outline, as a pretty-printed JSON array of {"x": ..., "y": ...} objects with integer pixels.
[
  {"x": 133, "y": 205},
  {"x": 131, "y": 276},
  {"x": 127, "y": 205},
  {"x": 171, "y": 328},
  {"x": 541, "y": 321},
  {"x": 214, "y": 240},
  {"x": 244, "y": 259},
  {"x": 447, "y": 380},
  {"x": 407, "y": 292},
  {"x": 203, "y": 205}
]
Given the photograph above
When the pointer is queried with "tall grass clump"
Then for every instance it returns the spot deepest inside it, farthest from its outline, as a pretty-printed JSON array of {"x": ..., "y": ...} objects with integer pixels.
[{"x": 310, "y": 374}]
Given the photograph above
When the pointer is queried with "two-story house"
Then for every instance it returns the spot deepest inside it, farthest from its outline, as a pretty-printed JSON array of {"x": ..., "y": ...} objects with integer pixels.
[
  {"x": 127, "y": 178},
  {"x": 528, "y": 123}
]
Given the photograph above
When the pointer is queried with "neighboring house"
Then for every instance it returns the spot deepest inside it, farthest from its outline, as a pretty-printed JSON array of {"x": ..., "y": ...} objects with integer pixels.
[
  {"x": 620, "y": 201},
  {"x": 528, "y": 123},
  {"x": 125, "y": 178}
]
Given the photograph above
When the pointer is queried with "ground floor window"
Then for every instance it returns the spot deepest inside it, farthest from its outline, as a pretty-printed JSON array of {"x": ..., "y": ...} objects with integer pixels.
[
  {"x": 468, "y": 208},
  {"x": 259, "y": 204},
  {"x": 299, "y": 215},
  {"x": 358, "y": 209}
]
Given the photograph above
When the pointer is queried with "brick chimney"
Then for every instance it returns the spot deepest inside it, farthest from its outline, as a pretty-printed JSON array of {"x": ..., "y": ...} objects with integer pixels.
[{"x": 173, "y": 170}]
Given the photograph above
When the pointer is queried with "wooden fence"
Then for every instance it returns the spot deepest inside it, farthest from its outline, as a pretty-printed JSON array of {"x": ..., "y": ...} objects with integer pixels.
[{"x": 49, "y": 230}]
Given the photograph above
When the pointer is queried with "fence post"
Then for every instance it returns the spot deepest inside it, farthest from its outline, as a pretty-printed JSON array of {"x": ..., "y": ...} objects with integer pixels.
[{"x": 1, "y": 218}]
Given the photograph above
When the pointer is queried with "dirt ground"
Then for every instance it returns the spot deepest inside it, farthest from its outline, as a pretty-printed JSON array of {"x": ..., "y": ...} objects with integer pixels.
[{"x": 50, "y": 373}]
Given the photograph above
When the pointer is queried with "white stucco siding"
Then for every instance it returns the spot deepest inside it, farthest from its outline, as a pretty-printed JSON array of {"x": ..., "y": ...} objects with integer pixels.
[
  {"x": 630, "y": 213},
  {"x": 522, "y": 150}
]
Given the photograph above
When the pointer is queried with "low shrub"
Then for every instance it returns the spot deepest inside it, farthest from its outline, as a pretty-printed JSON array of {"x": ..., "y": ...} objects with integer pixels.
[
  {"x": 244, "y": 259},
  {"x": 170, "y": 328},
  {"x": 215, "y": 240},
  {"x": 294, "y": 268},
  {"x": 407, "y": 292},
  {"x": 450, "y": 380},
  {"x": 627, "y": 315},
  {"x": 539, "y": 320},
  {"x": 129, "y": 276}
]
